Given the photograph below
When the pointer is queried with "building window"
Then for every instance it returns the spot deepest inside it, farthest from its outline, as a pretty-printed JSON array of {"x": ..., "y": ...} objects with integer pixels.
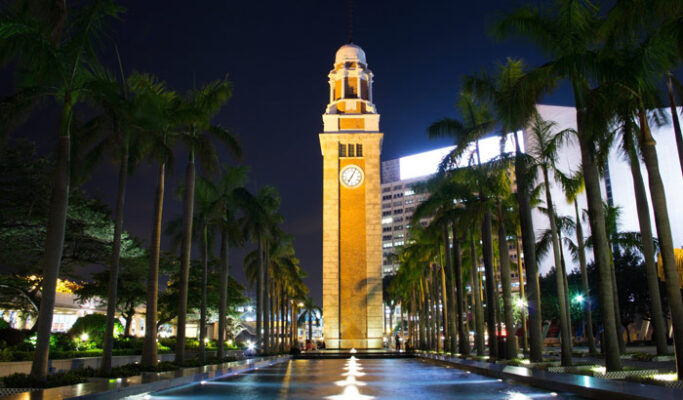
[
  {"x": 386, "y": 237},
  {"x": 398, "y": 219},
  {"x": 342, "y": 150},
  {"x": 387, "y": 245},
  {"x": 386, "y": 197},
  {"x": 398, "y": 211},
  {"x": 398, "y": 243},
  {"x": 399, "y": 235},
  {"x": 386, "y": 229},
  {"x": 359, "y": 150},
  {"x": 387, "y": 220},
  {"x": 398, "y": 195},
  {"x": 386, "y": 189},
  {"x": 398, "y": 187},
  {"x": 352, "y": 151},
  {"x": 398, "y": 228}
]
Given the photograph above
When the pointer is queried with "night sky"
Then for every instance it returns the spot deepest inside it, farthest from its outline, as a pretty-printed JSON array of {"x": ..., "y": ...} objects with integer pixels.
[{"x": 278, "y": 55}]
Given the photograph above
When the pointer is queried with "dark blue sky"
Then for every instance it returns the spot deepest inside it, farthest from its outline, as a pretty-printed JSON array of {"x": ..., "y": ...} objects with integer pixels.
[{"x": 278, "y": 55}]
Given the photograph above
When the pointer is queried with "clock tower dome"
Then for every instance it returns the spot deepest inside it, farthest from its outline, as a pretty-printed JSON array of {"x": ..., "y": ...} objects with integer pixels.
[{"x": 352, "y": 245}]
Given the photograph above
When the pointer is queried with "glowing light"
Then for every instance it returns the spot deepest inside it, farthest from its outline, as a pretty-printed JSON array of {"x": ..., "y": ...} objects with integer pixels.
[
  {"x": 301, "y": 304},
  {"x": 520, "y": 303},
  {"x": 427, "y": 163},
  {"x": 350, "y": 380},
  {"x": 553, "y": 394},
  {"x": 202, "y": 383},
  {"x": 517, "y": 396},
  {"x": 600, "y": 370},
  {"x": 229, "y": 342},
  {"x": 206, "y": 340},
  {"x": 84, "y": 336},
  {"x": 350, "y": 393},
  {"x": 387, "y": 220},
  {"x": 353, "y": 351},
  {"x": 664, "y": 377},
  {"x": 250, "y": 346},
  {"x": 579, "y": 298},
  {"x": 526, "y": 362}
]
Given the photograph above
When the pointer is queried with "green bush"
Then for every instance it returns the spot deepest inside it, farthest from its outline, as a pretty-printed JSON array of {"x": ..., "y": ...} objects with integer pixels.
[
  {"x": 130, "y": 342},
  {"x": 190, "y": 344},
  {"x": 62, "y": 342},
  {"x": 27, "y": 381},
  {"x": 93, "y": 325}
]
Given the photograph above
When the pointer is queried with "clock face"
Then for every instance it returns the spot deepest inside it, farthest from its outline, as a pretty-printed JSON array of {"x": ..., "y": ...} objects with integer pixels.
[{"x": 351, "y": 176}]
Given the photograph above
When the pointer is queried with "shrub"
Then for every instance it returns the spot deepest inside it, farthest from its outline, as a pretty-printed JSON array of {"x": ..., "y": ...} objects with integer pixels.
[
  {"x": 93, "y": 325},
  {"x": 61, "y": 342},
  {"x": 27, "y": 381}
]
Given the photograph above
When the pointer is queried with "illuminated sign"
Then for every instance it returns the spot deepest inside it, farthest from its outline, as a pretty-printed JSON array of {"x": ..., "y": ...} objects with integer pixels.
[{"x": 427, "y": 163}]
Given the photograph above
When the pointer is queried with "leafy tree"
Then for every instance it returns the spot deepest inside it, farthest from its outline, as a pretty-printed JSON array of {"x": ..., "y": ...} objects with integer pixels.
[
  {"x": 131, "y": 293},
  {"x": 54, "y": 58}
]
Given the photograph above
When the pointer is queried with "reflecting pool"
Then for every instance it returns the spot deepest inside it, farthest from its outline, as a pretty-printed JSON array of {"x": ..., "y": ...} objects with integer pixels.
[{"x": 358, "y": 379}]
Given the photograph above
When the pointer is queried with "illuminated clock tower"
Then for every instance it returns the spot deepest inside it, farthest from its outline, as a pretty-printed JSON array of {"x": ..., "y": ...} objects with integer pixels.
[{"x": 352, "y": 245}]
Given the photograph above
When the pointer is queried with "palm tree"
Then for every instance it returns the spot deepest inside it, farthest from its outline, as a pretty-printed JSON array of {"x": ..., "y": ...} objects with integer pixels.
[
  {"x": 513, "y": 94},
  {"x": 230, "y": 198},
  {"x": 195, "y": 114},
  {"x": 627, "y": 127},
  {"x": 637, "y": 63},
  {"x": 310, "y": 310},
  {"x": 159, "y": 104},
  {"x": 573, "y": 186},
  {"x": 260, "y": 226},
  {"x": 477, "y": 123},
  {"x": 54, "y": 57},
  {"x": 569, "y": 33},
  {"x": 544, "y": 145},
  {"x": 121, "y": 117}
]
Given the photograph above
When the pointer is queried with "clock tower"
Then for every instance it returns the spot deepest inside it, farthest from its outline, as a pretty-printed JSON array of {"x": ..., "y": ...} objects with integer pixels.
[{"x": 352, "y": 244}]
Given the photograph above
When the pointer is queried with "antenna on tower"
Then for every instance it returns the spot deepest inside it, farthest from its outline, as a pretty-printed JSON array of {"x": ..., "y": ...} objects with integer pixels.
[{"x": 349, "y": 38}]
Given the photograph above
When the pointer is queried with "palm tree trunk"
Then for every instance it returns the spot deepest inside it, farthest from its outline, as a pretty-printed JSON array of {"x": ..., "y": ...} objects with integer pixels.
[
  {"x": 584, "y": 282},
  {"x": 202, "y": 308},
  {"x": 422, "y": 321},
  {"x": 449, "y": 291},
  {"x": 108, "y": 344},
  {"x": 223, "y": 305},
  {"x": 149, "y": 351},
  {"x": 186, "y": 253},
  {"x": 522, "y": 295},
  {"x": 506, "y": 282},
  {"x": 596, "y": 214},
  {"x": 266, "y": 300},
  {"x": 491, "y": 302},
  {"x": 476, "y": 293},
  {"x": 529, "y": 247},
  {"x": 674, "y": 118},
  {"x": 647, "y": 145},
  {"x": 310, "y": 325},
  {"x": 645, "y": 224},
  {"x": 259, "y": 295},
  {"x": 54, "y": 244},
  {"x": 461, "y": 317},
  {"x": 566, "y": 341},
  {"x": 617, "y": 311}
]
